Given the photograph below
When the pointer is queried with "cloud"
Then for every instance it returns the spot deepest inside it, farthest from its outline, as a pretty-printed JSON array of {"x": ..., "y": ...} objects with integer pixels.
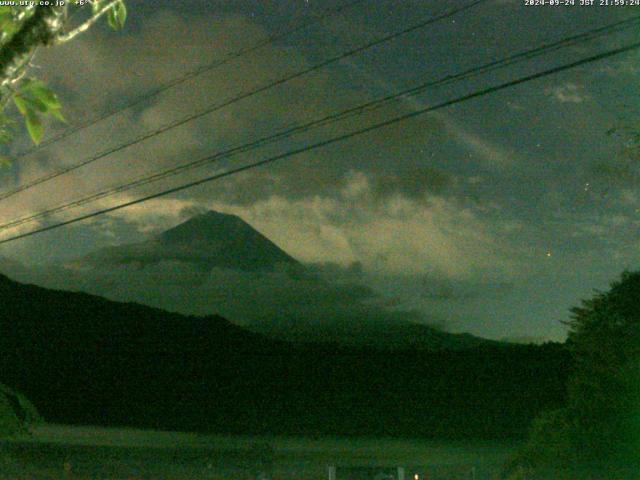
[
  {"x": 163, "y": 47},
  {"x": 568, "y": 93},
  {"x": 320, "y": 302},
  {"x": 448, "y": 252},
  {"x": 621, "y": 67},
  {"x": 489, "y": 153},
  {"x": 393, "y": 233},
  {"x": 393, "y": 201}
]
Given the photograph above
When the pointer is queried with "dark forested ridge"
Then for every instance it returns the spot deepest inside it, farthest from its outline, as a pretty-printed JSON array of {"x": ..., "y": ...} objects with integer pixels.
[{"x": 86, "y": 360}]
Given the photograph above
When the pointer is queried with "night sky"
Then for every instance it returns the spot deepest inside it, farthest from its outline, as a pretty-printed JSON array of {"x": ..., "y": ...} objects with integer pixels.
[{"x": 494, "y": 216}]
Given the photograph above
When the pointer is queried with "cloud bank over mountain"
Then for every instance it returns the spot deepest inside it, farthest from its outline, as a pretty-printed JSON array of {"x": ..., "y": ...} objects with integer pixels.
[{"x": 502, "y": 190}]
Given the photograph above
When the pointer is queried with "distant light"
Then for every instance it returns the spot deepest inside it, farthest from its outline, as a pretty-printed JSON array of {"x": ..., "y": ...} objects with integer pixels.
[
  {"x": 548, "y": 254},
  {"x": 416, "y": 477}
]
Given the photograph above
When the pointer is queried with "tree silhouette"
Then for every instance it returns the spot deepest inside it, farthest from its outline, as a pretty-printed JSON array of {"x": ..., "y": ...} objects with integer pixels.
[{"x": 598, "y": 434}]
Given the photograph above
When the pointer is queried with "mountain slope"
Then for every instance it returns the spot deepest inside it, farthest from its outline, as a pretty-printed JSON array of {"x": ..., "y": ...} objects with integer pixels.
[
  {"x": 251, "y": 280},
  {"x": 86, "y": 360},
  {"x": 210, "y": 240},
  {"x": 388, "y": 331}
]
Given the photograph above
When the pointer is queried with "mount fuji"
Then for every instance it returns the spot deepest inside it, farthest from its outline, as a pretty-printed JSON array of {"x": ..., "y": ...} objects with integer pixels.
[{"x": 210, "y": 240}]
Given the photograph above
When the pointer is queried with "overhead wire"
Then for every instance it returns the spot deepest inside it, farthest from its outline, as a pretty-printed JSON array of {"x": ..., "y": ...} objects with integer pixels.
[
  {"x": 333, "y": 140},
  {"x": 332, "y": 118},
  {"x": 190, "y": 75},
  {"x": 242, "y": 96}
]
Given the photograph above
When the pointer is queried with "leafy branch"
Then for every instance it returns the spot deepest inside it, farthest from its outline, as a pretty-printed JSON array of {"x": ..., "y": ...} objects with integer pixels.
[
  {"x": 22, "y": 31},
  {"x": 116, "y": 16}
]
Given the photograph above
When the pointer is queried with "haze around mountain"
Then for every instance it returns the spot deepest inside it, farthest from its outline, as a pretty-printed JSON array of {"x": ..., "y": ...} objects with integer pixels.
[{"x": 216, "y": 263}]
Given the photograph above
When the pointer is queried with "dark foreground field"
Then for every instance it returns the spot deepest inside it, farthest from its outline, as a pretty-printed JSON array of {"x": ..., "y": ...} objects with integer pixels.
[{"x": 55, "y": 452}]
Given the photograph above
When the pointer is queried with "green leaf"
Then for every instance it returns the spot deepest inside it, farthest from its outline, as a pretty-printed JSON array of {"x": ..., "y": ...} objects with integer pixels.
[
  {"x": 8, "y": 24},
  {"x": 117, "y": 16},
  {"x": 34, "y": 126},
  {"x": 36, "y": 104},
  {"x": 8, "y": 29},
  {"x": 20, "y": 104},
  {"x": 36, "y": 98},
  {"x": 96, "y": 6},
  {"x": 5, "y": 18},
  {"x": 121, "y": 8},
  {"x": 111, "y": 19},
  {"x": 42, "y": 97},
  {"x": 5, "y": 161},
  {"x": 58, "y": 114},
  {"x": 45, "y": 95}
]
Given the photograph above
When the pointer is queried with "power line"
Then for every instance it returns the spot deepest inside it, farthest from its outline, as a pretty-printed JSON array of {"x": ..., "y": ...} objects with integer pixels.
[
  {"x": 547, "y": 47},
  {"x": 192, "y": 74},
  {"x": 333, "y": 140},
  {"x": 374, "y": 104},
  {"x": 240, "y": 97}
]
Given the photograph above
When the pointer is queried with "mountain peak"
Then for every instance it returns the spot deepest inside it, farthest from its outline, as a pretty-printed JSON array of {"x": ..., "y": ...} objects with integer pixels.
[
  {"x": 214, "y": 215},
  {"x": 209, "y": 240},
  {"x": 203, "y": 227}
]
